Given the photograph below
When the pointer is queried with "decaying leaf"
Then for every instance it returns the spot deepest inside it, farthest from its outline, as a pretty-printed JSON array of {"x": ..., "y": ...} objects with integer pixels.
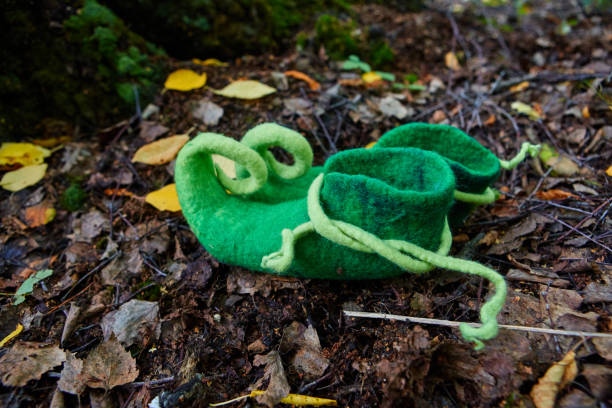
[
  {"x": 164, "y": 199},
  {"x": 108, "y": 366},
  {"x": 26, "y": 154},
  {"x": 245, "y": 90},
  {"x": 278, "y": 387},
  {"x": 28, "y": 285},
  {"x": 70, "y": 378},
  {"x": 312, "y": 84},
  {"x": 185, "y": 80},
  {"x": 27, "y": 361},
  {"x": 525, "y": 109},
  {"x": 451, "y": 61},
  {"x": 161, "y": 151},
  {"x": 24, "y": 177},
  {"x": 561, "y": 164},
  {"x": 555, "y": 194},
  {"x": 308, "y": 359},
  {"x": 544, "y": 393},
  {"x": 38, "y": 215},
  {"x": 134, "y": 322}
]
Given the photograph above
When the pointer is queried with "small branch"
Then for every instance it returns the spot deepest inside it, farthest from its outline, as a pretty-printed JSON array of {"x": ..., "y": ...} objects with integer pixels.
[
  {"x": 549, "y": 77},
  {"x": 450, "y": 323}
]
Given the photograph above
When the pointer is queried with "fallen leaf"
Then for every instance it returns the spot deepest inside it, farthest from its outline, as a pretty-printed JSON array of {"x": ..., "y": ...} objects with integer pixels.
[
  {"x": 308, "y": 359},
  {"x": 70, "y": 378},
  {"x": 185, "y": 80},
  {"x": 108, "y": 366},
  {"x": 312, "y": 84},
  {"x": 28, "y": 285},
  {"x": 525, "y": 109},
  {"x": 609, "y": 171},
  {"x": 451, "y": 61},
  {"x": 544, "y": 393},
  {"x": 208, "y": 112},
  {"x": 27, "y": 361},
  {"x": 561, "y": 164},
  {"x": 369, "y": 145},
  {"x": 209, "y": 62},
  {"x": 24, "y": 177},
  {"x": 52, "y": 141},
  {"x": 38, "y": 215},
  {"x": 555, "y": 194},
  {"x": 26, "y": 154},
  {"x": 370, "y": 77},
  {"x": 520, "y": 87},
  {"x": 12, "y": 335},
  {"x": 390, "y": 106},
  {"x": 585, "y": 112},
  {"x": 245, "y": 90},
  {"x": 149, "y": 130},
  {"x": 490, "y": 120},
  {"x": 278, "y": 387},
  {"x": 133, "y": 322},
  {"x": 164, "y": 199},
  {"x": 161, "y": 151}
]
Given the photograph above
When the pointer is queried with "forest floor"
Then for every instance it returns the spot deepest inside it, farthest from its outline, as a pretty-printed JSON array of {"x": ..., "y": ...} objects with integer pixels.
[{"x": 201, "y": 332}]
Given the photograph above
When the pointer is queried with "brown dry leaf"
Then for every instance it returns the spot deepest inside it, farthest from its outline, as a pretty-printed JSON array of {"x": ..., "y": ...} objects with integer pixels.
[
  {"x": 27, "y": 361},
  {"x": 557, "y": 376},
  {"x": 490, "y": 120},
  {"x": 161, "y": 151},
  {"x": 38, "y": 215},
  {"x": 278, "y": 387},
  {"x": 70, "y": 379},
  {"x": 312, "y": 84},
  {"x": 109, "y": 365},
  {"x": 555, "y": 194},
  {"x": 308, "y": 359},
  {"x": 119, "y": 192},
  {"x": 451, "y": 61}
]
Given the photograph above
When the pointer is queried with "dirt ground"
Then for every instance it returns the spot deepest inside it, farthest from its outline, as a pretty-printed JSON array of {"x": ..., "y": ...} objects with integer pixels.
[{"x": 207, "y": 332}]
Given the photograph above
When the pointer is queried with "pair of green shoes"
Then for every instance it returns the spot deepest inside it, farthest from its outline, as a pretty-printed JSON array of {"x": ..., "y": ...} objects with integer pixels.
[{"x": 365, "y": 214}]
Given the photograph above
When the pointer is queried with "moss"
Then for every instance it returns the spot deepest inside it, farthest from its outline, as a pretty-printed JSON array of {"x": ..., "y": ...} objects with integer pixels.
[
  {"x": 341, "y": 38},
  {"x": 73, "y": 198}
]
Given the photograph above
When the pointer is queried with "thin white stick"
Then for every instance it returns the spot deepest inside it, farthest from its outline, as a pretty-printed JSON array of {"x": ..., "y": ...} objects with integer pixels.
[{"x": 451, "y": 323}]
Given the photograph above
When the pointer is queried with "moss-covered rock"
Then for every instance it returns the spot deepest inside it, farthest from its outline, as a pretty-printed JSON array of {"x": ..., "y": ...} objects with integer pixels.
[
  {"x": 219, "y": 28},
  {"x": 72, "y": 60}
]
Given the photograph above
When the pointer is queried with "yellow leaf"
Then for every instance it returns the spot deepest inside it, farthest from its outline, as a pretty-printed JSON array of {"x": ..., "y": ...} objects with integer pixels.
[
  {"x": 25, "y": 154},
  {"x": 245, "y": 90},
  {"x": 370, "y": 77},
  {"x": 51, "y": 142},
  {"x": 38, "y": 215},
  {"x": 164, "y": 199},
  {"x": 557, "y": 376},
  {"x": 609, "y": 171},
  {"x": 185, "y": 80},
  {"x": 451, "y": 61},
  {"x": 212, "y": 62},
  {"x": 161, "y": 151},
  {"x": 520, "y": 87},
  {"x": 525, "y": 109},
  {"x": 24, "y": 177},
  {"x": 369, "y": 145},
  {"x": 585, "y": 112}
]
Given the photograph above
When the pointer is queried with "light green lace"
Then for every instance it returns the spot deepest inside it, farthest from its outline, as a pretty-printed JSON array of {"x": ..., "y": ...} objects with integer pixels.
[
  {"x": 490, "y": 195},
  {"x": 404, "y": 254}
]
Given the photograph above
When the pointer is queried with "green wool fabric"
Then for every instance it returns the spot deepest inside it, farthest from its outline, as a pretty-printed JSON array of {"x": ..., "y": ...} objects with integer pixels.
[
  {"x": 365, "y": 214},
  {"x": 474, "y": 166}
]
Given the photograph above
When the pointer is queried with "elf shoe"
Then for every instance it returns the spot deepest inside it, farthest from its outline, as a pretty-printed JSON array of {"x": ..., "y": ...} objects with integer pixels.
[
  {"x": 367, "y": 214},
  {"x": 474, "y": 166}
]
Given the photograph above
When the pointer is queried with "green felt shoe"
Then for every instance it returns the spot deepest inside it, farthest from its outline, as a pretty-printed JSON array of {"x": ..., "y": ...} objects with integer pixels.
[
  {"x": 474, "y": 166},
  {"x": 366, "y": 214}
]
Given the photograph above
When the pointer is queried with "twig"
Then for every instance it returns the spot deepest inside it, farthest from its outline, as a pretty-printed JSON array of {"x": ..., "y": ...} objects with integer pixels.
[
  {"x": 595, "y": 211},
  {"x": 547, "y": 76},
  {"x": 565, "y": 224},
  {"x": 450, "y": 323},
  {"x": 103, "y": 263},
  {"x": 53, "y": 309},
  {"x": 154, "y": 382}
]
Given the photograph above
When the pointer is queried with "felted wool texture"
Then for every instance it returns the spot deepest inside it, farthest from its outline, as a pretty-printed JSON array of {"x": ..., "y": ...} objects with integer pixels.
[
  {"x": 474, "y": 166},
  {"x": 296, "y": 178},
  {"x": 398, "y": 193}
]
